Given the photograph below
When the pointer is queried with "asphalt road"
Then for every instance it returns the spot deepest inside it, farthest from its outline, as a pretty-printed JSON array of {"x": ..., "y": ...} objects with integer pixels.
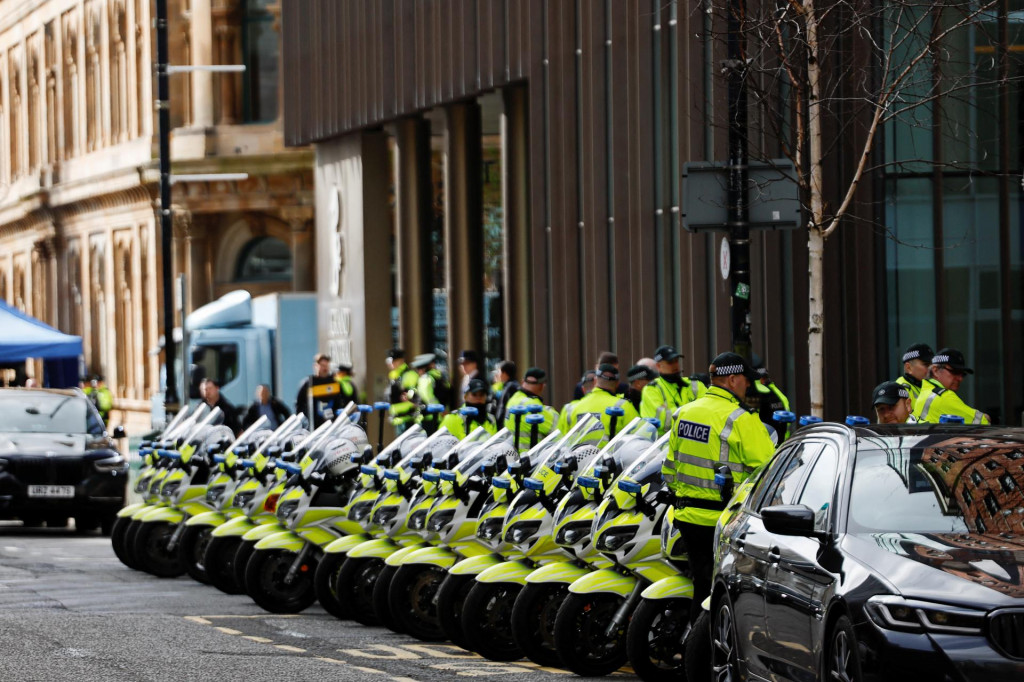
[{"x": 69, "y": 610}]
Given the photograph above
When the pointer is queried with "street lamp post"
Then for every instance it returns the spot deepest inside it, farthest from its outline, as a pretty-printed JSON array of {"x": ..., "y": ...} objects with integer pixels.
[{"x": 737, "y": 196}]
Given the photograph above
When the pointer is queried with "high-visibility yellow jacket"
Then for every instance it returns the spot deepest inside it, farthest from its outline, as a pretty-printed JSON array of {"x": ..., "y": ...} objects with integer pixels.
[
  {"x": 715, "y": 429},
  {"x": 661, "y": 398},
  {"x": 456, "y": 424},
  {"x": 935, "y": 400},
  {"x": 402, "y": 379},
  {"x": 913, "y": 386},
  {"x": 596, "y": 402},
  {"x": 550, "y": 419}
]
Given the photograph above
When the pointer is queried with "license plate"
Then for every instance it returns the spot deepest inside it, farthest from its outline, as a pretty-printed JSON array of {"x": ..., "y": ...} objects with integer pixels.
[{"x": 51, "y": 491}]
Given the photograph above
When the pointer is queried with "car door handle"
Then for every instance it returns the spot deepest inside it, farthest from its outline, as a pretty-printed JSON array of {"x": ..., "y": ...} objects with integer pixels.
[{"x": 774, "y": 554}]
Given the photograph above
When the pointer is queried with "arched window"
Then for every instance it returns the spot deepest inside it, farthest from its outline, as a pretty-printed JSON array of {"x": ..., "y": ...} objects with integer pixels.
[{"x": 264, "y": 259}]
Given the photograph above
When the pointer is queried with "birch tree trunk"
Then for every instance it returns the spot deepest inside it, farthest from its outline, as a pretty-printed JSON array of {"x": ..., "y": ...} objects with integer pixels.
[{"x": 815, "y": 235}]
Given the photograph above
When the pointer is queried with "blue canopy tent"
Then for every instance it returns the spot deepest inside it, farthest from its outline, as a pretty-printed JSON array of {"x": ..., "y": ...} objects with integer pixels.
[{"x": 23, "y": 337}]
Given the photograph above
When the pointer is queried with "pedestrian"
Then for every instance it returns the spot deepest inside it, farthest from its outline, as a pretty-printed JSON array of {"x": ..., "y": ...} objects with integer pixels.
[
  {"x": 916, "y": 361},
  {"x": 893, "y": 404},
  {"x": 638, "y": 377},
  {"x": 530, "y": 392},
  {"x": 349, "y": 391},
  {"x": 401, "y": 391},
  {"x": 770, "y": 399},
  {"x": 319, "y": 396},
  {"x": 603, "y": 396},
  {"x": 469, "y": 364},
  {"x": 670, "y": 391},
  {"x": 265, "y": 405},
  {"x": 462, "y": 425},
  {"x": 507, "y": 386},
  {"x": 213, "y": 398},
  {"x": 709, "y": 433},
  {"x": 938, "y": 395}
]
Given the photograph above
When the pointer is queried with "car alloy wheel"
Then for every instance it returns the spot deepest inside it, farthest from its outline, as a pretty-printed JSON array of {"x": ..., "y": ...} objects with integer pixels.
[
  {"x": 724, "y": 663},
  {"x": 842, "y": 664}
]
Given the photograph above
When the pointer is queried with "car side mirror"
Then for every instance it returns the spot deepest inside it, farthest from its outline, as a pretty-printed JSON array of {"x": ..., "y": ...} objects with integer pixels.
[
  {"x": 789, "y": 519},
  {"x": 118, "y": 432}
]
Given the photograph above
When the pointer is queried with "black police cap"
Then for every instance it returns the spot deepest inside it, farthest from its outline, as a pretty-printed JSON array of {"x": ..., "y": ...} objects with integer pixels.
[
  {"x": 666, "y": 354},
  {"x": 919, "y": 351},
  {"x": 728, "y": 364},
  {"x": 476, "y": 386},
  {"x": 535, "y": 374},
  {"x": 637, "y": 372},
  {"x": 608, "y": 372},
  {"x": 953, "y": 358},
  {"x": 889, "y": 393}
]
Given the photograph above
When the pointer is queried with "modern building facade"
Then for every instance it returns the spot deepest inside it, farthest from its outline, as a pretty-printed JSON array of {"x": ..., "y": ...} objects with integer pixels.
[
  {"x": 584, "y": 114},
  {"x": 79, "y": 236}
]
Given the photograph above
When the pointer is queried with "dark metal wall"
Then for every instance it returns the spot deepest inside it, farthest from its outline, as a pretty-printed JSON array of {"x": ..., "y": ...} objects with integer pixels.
[{"x": 611, "y": 268}]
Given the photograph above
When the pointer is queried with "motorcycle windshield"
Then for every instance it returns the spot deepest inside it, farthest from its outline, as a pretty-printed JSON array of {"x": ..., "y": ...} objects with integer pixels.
[
  {"x": 588, "y": 430},
  {"x": 625, "y": 449},
  {"x": 646, "y": 468},
  {"x": 396, "y": 449},
  {"x": 496, "y": 446},
  {"x": 437, "y": 446}
]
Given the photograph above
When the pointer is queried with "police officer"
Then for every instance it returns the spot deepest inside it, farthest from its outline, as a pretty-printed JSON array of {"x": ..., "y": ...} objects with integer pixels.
[
  {"x": 586, "y": 385},
  {"x": 343, "y": 375},
  {"x": 530, "y": 392},
  {"x": 402, "y": 390},
  {"x": 893, "y": 404},
  {"x": 770, "y": 400},
  {"x": 603, "y": 396},
  {"x": 319, "y": 396},
  {"x": 916, "y": 360},
  {"x": 670, "y": 391},
  {"x": 639, "y": 376},
  {"x": 713, "y": 431},
  {"x": 938, "y": 392},
  {"x": 461, "y": 425},
  {"x": 431, "y": 386},
  {"x": 100, "y": 396}
]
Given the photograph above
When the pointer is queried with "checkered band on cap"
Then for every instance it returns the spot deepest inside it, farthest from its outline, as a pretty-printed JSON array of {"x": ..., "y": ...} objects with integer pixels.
[
  {"x": 910, "y": 355},
  {"x": 940, "y": 359},
  {"x": 726, "y": 370},
  {"x": 762, "y": 371}
]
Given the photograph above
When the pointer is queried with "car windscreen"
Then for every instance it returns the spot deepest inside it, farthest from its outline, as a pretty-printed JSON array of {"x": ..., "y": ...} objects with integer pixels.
[
  {"x": 44, "y": 413},
  {"x": 938, "y": 484}
]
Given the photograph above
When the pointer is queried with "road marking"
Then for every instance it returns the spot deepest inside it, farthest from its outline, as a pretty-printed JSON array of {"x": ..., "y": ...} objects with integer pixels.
[
  {"x": 441, "y": 651},
  {"x": 368, "y": 670},
  {"x": 330, "y": 660},
  {"x": 261, "y": 640},
  {"x": 392, "y": 653},
  {"x": 294, "y": 649},
  {"x": 198, "y": 619},
  {"x": 479, "y": 668},
  {"x": 228, "y": 631}
]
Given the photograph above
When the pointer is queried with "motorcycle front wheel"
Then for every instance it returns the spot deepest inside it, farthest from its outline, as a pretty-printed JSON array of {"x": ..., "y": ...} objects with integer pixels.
[
  {"x": 245, "y": 550},
  {"x": 487, "y": 621},
  {"x": 219, "y": 562},
  {"x": 324, "y": 581},
  {"x": 267, "y": 582},
  {"x": 582, "y": 638},
  {"x": 118, "y": 537},
  {"x": 354, "y": 588},
  {"x": 382, "y": 598},
  {"x": 413, "y": 600},
  {"x": 192, "y": 550},
  {"x": 533, "y": 621},
  {"x": 131, "y": 545},
  {"x": 151, "y": 549},
  {"x": 451, "y": 597},
  {"x": 654, "y": 640}
]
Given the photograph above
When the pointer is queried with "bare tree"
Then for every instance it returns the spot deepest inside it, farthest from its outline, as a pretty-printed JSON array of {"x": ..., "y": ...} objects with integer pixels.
[{"x": 821, "y": 74}]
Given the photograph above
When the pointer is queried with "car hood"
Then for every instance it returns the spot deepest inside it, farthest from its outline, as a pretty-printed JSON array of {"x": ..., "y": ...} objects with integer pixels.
[
  {"x": 43, "y": 443},
  {"x": 966, "y": 568}
]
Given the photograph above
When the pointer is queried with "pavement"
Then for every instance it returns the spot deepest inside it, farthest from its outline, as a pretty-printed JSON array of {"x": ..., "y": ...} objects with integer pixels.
[{"x": 69, "y": 610}]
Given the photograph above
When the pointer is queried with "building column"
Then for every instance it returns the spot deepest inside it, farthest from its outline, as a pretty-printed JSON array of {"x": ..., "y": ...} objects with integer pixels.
[
  {"x": 202, "y": 54},
  {"x": 413, "y": 189},
  {"x": 516, "y": 202},
  {"x": 463, "y": 230},
  {"x": 300, "y": 219},
  {"x": 225, "y": 28}
]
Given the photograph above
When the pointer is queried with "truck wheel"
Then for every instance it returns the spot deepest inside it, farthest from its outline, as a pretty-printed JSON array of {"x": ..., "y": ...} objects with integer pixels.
[
  {"x": 354, "y": 588},
  {"x": 413, "y": 604},
  {"x": 219, "y": 562},
  {"x": 487, "y": 621},
  {"x": 266, "y": 577},
  {"x": 655, "y": 639},
  {"x": 533, "y": 621},
  {"x": 582, "y": 637},
  {"x": 152, "y": 552},
  {"x": 192, "y": 551},
  {"x": 451, "y": 597},
  {"x": 324, "y": 584}
]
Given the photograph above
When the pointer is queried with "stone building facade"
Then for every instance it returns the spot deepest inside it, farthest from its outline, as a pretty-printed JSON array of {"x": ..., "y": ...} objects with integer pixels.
[{"x": 79, "y": 234}]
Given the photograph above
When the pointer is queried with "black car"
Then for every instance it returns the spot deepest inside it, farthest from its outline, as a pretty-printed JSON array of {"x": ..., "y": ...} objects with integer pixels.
[
  {"x": 57, "y": 461},
  {"x": 876, "y": 553}
]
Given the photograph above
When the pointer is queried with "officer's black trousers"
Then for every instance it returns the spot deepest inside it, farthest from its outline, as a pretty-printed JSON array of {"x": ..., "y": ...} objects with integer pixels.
[{"x": 699, "y": 541}]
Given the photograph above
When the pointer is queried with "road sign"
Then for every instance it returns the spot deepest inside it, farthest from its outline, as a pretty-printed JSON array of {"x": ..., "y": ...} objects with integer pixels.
[{"x": 772, "y": 190}]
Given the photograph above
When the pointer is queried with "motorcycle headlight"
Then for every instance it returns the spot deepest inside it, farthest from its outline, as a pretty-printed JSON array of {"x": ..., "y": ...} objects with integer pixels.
[
  {"x": 360, "y": 511},
  {"x": 214, "y": 493},
  {"x": 891, "y": 612},
  {"x": 286, "y": 510},
  {"x": 439, "y": 519},
  {"x": 614, "y": 538},
  {"x": 521, "y": 530},
  {"x": 242, "y": 499},
  {"x": 418, "y": 519},
  {"x": 490, "y": 529},
  {"x": 384, "y": 515},
  {"x": 572, "y": 533},
  {"x": 170, "y": 490}
]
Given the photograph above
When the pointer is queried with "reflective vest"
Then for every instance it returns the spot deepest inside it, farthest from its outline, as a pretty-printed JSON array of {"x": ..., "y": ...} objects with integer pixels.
[
  {"x": 425, "y": 387},
  {"x": 913, "y": 386},
  {"x": 456, "y": 423},
  {"x": 713, "y": 430},
  {"x": 348, "y": 390},
  {"x": 661, "y": 398},
  {"x": 402, "y": 379},
  {"x": 551, "y": 419},
  {"x": 936, "y": 400},
  {"x": 596, "y": 402}
]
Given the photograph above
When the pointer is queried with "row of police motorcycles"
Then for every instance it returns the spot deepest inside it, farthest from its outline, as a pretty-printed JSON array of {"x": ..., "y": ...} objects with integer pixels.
[{"x": 561, "y": 553}]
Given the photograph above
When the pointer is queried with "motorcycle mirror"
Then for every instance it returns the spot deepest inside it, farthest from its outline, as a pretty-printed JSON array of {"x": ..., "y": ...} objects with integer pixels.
[{"x": 367, "y": 455}]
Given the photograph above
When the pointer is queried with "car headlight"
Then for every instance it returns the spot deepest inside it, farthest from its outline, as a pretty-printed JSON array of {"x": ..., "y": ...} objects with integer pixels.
[
  {"x": 891, "y": 612},
  {"x": 108, "y": 465}
]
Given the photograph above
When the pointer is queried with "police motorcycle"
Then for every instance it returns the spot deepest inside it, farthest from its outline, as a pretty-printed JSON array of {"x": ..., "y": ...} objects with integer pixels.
[
  {"x": 544, "y": 589},
  {"x": 450, "y": 527},
  {"x": 181, "y": 422},
  {"x": 154, "y": 529},
  {"x": 363, "y": 582},
  {"x": 251, "y": 501},
  {"x": 364, "y": 496},
  {"x": 591, "y": 624},
  {"x": 506, "y": 482},
  {"x": 311, "y": 513}
]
